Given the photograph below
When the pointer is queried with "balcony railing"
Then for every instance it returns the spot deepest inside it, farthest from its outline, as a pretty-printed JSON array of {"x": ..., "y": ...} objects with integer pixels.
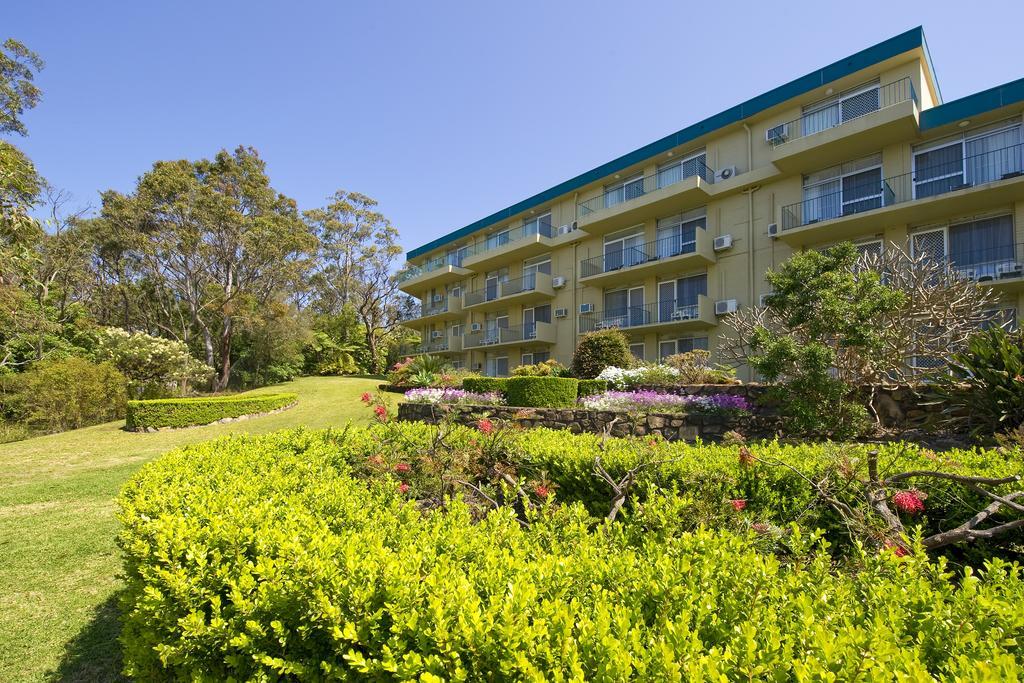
[
  {"x": 498, "y": 240},
  {"x": 502, "y": 335},
  {"x": 988, "y": 264},
  {"x": 668, "y": 311},
  {"x": 498, "y": 290},
  {"x": 931, "y": 181},
  {"x": 434, "y": 264},
  {"x": 667, "y": 247},
  {"x": 842, "y": 111},
  {"x": 635, "y": 189},
  {"x": 435, "y": 346}
]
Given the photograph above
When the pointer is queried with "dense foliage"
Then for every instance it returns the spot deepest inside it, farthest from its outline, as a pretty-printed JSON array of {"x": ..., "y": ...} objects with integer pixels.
[
  {"x": 541, "y": 392},
  {"x": 56, "y": 395},
  {"x": 598, "y": 350},
  {"x": 547, "y": 368},
  {"x": 301, "y": 555},
  {"x": 188, "y": 412},
  {"x": 154, "y": 367},
  {"x": 588, "y": 387},
  {"x": 485, "y": 385}
]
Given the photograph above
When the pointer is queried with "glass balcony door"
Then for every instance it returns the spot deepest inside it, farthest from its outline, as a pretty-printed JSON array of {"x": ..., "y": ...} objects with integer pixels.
[
  {"x": 630, "y": 188},
  {"x": 846, "y": 107},
  {"x": 623, "y": 252}
]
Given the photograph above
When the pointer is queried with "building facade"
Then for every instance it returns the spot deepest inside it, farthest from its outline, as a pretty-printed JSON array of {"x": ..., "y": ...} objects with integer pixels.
[{"x": 666, "y": 240}]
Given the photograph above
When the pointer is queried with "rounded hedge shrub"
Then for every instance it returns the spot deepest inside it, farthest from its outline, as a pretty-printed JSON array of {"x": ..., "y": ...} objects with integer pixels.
[
  {"x": 589, "y": 387},
  {"x": 189, "y": 412},
  {"x": 485, "y": 385},
  {"x": 57, "y": 395},
  {"x": 541, "y": 392},
  {"x": 599, "y": 350},
  {"x": 266, "y": 558}
]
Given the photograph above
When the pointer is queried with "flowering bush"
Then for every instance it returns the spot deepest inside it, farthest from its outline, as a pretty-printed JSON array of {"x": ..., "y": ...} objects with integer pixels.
[
  {"x": 155, "y": 367},
  {"x": 452, "y": 396},
  {"x": 658, "y": 402},
  {"x": 650, "y": 375}
]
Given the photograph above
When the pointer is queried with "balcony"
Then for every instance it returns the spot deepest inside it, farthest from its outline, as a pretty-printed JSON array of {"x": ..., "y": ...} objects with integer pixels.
[
  {"x": 504, "y": 337},
  {"x": 414, "y": 279},
  {"x": 449, "y": 308},
  {"x": 521, "y": 243},
  {"x": 849, "y": 128},
  {"x": 660, "y": 194},
  {"x": 525, "y": 290},
  {"x": 436, "y": 346},
  {"x": 661, "y": 316},
  {"x": 1001, "y": 268},
  {"x": 970, "y": 184},
  {"x": 669, "y": 255}
]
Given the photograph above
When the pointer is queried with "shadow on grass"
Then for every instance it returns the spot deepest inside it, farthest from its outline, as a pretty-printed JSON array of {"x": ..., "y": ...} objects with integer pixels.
[{"x": 95, "y": 653}]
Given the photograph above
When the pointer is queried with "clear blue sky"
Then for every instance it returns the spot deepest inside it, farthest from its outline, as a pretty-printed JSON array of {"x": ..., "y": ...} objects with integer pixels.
[{"x": 442, "y": 111}]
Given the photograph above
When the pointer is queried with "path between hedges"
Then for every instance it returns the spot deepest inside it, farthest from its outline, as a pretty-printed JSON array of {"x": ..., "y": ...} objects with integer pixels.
[{"x": 58, "y": 559}]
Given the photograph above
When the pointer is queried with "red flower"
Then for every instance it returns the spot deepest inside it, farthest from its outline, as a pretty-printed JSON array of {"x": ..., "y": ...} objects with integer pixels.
[
  {"x": 402, "y": 467},
  {"x": 485, "y": 426},
  {"x": 403, "y": 488},
  {"x": 366, "y": 398},
  {"x": 738, "y": 505},
  {"x": 760, "y": 527},
  {"x": 541, "y": 490},
  {"x": 380, "y": 411},
  {"x": 897, "y": 549},
  {"x": 910, "y": 502}
]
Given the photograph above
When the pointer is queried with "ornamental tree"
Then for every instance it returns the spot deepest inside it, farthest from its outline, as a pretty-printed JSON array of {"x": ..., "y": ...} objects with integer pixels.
[{"x": 154, "y": 367}]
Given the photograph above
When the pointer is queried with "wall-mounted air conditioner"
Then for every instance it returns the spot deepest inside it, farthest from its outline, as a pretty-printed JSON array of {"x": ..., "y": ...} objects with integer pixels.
[
  {"x": 558, "y": 281},
  {"x": 777, "y": 135},
  {"x": 725, "y": 306},
  {"x": 725, "y": 173},
  {"x": 436, "y": 334},
  {"x": 723, "y": 242},
  {"x": 476, "y": 327},
  {"x": 561, "y": 312},
  {"x": 773, "y": 230},
  {"x": 586, "y": 308},
  {"x": 438, "y": 298}
]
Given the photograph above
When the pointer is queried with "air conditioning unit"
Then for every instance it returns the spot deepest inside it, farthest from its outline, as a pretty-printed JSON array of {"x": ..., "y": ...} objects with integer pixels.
[
  {"x": 763, "y": 301},
  {"x": 436, "y": 334},
  {"x": 725, "y": 306},
  {"x": 561, "y": 312},
  {"x": 773, "y": 230},
  {"x": 1009, "y": 270},
  {"x": 777, "y": 135},
  {"x": 476, "y": 327},
  {"x": 527, "y": 359},
  {"x": 725, "y": 173},
  {"x": 564, "y": 229},
  {"x": 723, "y": 242},
  {"x": 437, "y": 298},
  {"x": 586, "y": 308},
  {"x": 558, "y": 281}
]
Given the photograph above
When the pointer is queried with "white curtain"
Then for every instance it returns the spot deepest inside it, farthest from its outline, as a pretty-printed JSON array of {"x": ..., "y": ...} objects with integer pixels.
[
  {"x": 821, "y": 202},
  {"x": 993, "y": 156}
]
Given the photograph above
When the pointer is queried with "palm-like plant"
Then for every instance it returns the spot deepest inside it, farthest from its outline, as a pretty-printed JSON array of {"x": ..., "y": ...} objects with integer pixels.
[{"x": 434, "y": 365}]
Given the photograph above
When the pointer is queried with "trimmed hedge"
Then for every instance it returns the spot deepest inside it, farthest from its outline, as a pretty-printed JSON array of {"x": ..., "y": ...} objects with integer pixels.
[
  {"x": 589, "y": 387},
  {"x": 485, "y": 385},
  {"x": 541, "y": 392},
  {"x": 264, "y": 558},
  {"x": 189, "y": 412}
]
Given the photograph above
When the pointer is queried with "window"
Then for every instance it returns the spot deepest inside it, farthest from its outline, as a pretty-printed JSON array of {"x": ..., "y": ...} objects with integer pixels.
[
  {"x": 498, "y": 239},
  {"x": 496, "y": 366},
  {"x": 623, "y": 250},
  {"x": 538, "y": 264},
  {"x": 457, "y": 330},
  {"x": 532, "y": 316},
  {"x": 1003, "y": 317},
  {"x": 679, "y": 299},
  {"x": 678, "y": 234},
  {"x": 454, "y": 256},
  {"x": 623, "y": 191},
  {"x": 541, "y": 225},
  {"x": 982, "y": 249},
  {"x": 684, "y": 345},
  {"x": 843, "y": 190},
  {"x": 536, "y": 357},
  {"x": 637, "y": 350},
  {"x": 846, "y": 107},
  {"x": 623, "y": 308},
  {"x": 492, "y": 280},
  {"x": 982, "y": 156},
  {"x": 676, "y": 171},
  {"x": 873, "y": 247}
]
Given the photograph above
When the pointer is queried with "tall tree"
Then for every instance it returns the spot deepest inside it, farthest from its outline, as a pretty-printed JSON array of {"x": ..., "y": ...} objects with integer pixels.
[
  {"x": 209, "y": 240},
  {"x": 18, "y": 92}
]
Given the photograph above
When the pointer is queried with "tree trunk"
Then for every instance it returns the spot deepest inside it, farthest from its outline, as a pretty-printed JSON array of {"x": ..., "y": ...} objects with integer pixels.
[{"x": 225, "y": 354}]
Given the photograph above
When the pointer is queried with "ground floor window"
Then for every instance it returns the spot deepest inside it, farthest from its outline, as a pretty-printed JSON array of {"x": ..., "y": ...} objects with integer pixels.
[
  {"x": 496, "y": 366},
  {"x": 673, "y": 346},
  {"x": 536, "y": 357},
  {"x": 637, "y": 350}
]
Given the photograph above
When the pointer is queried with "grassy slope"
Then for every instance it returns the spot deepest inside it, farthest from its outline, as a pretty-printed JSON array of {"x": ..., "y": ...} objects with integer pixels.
[{"x": 58, "y": 560}]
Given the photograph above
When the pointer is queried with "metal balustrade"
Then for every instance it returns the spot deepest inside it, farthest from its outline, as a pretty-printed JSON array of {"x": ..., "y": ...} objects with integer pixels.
[
  {"x": 996, "y": 264},
  {"x": 539, "y": 331},
  {"x": 501, "y": 289},
  {"x": 931, "y": 181},
  {"x": 506, "y": 237},
  {"x": 639, "y": 187},
  {"x": 843, "y": 110},
  {"x": 628, "y": 257},
  {"x": 658, "y": 312},
  {"x": 411, "y": 271}
]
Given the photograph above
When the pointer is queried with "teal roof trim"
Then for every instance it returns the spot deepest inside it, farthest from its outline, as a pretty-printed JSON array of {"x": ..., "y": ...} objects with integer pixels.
[
  {"x": 973, "y": 105},
  {"x": 896, "y": 45}
]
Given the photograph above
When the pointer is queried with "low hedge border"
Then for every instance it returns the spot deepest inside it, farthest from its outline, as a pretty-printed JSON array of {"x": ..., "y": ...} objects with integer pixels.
[
  {"x": 485, "y": 385},
  {"x": 172, "y": 413},
  {"x": 589, "y": 387},
  {"x": 541, "y": 392}
]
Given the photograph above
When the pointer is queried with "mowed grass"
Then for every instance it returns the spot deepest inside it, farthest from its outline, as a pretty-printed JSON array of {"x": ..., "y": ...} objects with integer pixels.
[{"x": 58, "y": 559}]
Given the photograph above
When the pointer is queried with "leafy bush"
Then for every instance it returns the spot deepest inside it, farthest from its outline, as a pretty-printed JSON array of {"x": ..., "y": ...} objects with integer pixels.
[
  {"x": 541, "y": 392},
  {"x": 188, "y": 412},
  {"x": 599, "y": 350},
  {"x": 485, "y": 385},
  {"x": 658, "y": 402},
  {"x": 548, "y": 368},
  {"x": 155, "y": 367},
  {"x": 986, "y": 384},
  {"x": 261, "y": 558},
  {"x": 589, "y": 387},
  {"x": 695, "y": 368},
  {"x": 71, "y": 393}
]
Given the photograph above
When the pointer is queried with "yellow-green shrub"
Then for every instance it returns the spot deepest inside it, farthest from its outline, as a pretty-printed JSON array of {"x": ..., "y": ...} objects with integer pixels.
[
  {"x": 187, "y": 412},
  {"x": 541, "y": 392}
]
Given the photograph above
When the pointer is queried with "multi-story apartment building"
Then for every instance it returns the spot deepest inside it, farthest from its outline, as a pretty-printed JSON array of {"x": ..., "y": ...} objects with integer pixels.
[{"x": 664, "y": 241}]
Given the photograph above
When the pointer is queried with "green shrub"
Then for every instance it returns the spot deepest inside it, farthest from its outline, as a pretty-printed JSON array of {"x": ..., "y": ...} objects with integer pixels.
[
  {"x": 589, "y": 387},
  {"x": 548, "y": 368},
  {"x": 71, "y": 393},
  {"x": 263, "y": 558},
  {"x": 485, "y": 385},
  {"x": 695, "y": 367},
  {"x": 188, "y": 412},
  {"x": 155, "y": 367},
  {"x": 541, "y": 392},
  {"x": 599, "y": 350}
]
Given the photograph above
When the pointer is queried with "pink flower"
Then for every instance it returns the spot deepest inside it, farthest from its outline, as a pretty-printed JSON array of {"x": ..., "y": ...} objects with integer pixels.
[
  {"x": 366, "y": 398},
  {"x": 910, "y": 502},
  {"x": 897, "y": 549},
  {"x": 760, "y": 527},
  {"x": 402, "y": 467},
  {"x": 380, "y": 411},
  {"x": 541, "y": 491},
  {"x": 403, "y": 488},
  {"x": 738, "y": 505},
  {"x": 485, "y": 426}
]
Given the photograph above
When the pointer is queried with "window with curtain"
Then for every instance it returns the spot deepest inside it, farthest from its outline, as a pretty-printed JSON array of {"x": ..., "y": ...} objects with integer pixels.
[
  {"x": 938, "y": 170},
  {"x": 623, "y": 251},
  {"x": 980, "y": 156},
  {"x": 993, "y": 155},
  {"x": 687, "y": 167},
  {"x": 631, "y": 188},
  {"x": 848, "y": 188},
  {"x": 678, "y": 234},
  {"x": 541, "y": 225},
  {"x": 845, "y": 107},
  {"x": 982, "y": 245}
]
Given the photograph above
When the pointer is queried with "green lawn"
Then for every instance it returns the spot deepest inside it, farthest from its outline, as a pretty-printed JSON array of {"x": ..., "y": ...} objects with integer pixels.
[{"x": 58, "y": 559}]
